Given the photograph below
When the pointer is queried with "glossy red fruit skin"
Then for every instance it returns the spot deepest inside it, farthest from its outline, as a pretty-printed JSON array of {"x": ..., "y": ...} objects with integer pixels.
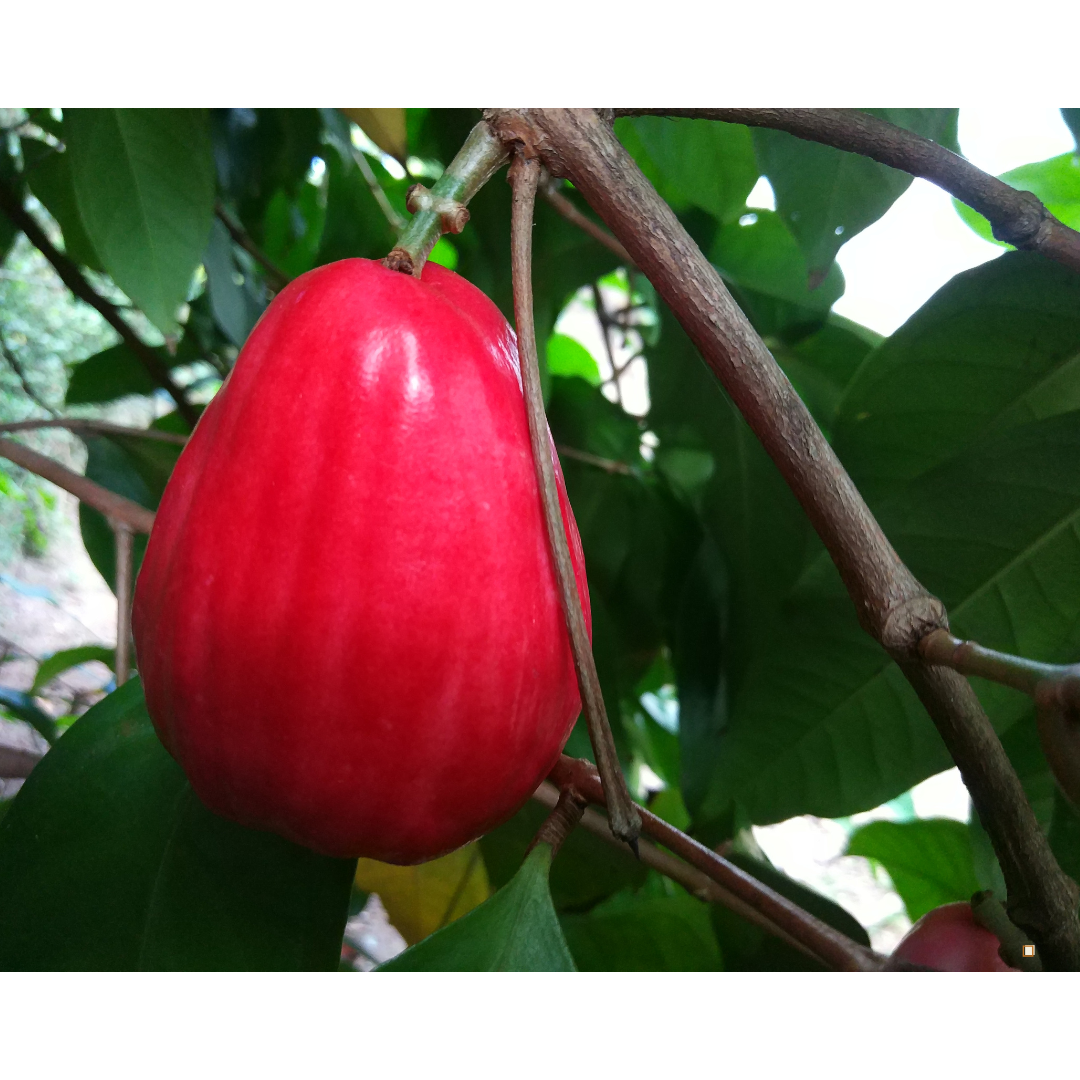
[
  {"x": 347, "y": 621},
  {"x": 949, "y": 939}
]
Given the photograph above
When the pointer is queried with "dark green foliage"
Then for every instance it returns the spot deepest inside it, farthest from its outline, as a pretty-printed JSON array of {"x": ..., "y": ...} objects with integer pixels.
[{"x": 109, "y": 862}]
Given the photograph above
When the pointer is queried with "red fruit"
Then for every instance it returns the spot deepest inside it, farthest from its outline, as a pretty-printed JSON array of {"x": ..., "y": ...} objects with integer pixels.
[
  {"x": 347, "y": 620},
  {"x": 949, "y": 939}
]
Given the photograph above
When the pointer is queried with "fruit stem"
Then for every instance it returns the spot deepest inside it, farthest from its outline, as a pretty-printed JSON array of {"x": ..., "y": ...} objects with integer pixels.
[
  {"x": 480, "y": 155},
  {"x": 558, "y": 825},
  {"x": 623, "y": 813}
]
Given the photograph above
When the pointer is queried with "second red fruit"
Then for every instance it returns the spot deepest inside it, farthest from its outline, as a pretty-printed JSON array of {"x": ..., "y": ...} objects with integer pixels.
[
  {"x": 949, "y": 939},
  {"x": 347, "y": 620}
]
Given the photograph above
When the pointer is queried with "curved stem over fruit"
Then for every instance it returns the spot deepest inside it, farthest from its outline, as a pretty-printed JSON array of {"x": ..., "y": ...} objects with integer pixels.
[
  {"x": 480, "y": 155},
  {"x": 625, "y": 821}
]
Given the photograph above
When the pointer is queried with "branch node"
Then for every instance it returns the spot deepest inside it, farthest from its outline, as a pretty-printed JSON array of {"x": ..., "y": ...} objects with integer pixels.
[
  {"x": 908, "y": 623},
  {"x": 453, "y": 215}
]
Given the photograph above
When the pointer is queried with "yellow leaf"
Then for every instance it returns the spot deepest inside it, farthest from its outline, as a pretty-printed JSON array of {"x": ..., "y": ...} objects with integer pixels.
[
  {"x": 421, "y": 899},
  {"x": 384, "y": 127}
]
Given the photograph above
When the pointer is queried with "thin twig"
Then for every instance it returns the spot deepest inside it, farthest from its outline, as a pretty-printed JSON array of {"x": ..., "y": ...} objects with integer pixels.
[
  {"x": 625, "y": 822},
  {"x": 276, "y": 277},
  {"x": 102, "y": 427},
  {"x": 565, "y": 814},
  {"x": 395, "y": 220},
  {"x": 125, "y": 572},
  {"x": 1017, "y": 217},
  {"x": 689, "y": 877},
  {"x": 100, "y": 498},
  {"x": 69, "y": 274},
  {"x": 572, "y": 214},
  {"x": 616, "y": 468},
  {"x": 604, "y": 319},
  {"x": 891, "y": 604},
  {"x": 833, "y": 948}
]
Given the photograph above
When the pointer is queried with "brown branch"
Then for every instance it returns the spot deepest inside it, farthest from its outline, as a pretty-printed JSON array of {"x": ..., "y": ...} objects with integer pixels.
[
  {"x": 690, "y": 878},
  {"x": 567, "y": 812},
  {"x": 69, "y": 274},
  {"x": 524, "y": 177},
  {"x": 102, "y": 427},
  {"x": 572, "y": 214},
  {"x": 772, "y": 911},
  {"x": 107, "y": 502},
  {"x": 276, "y": 277},
  {"x": 891, "y": 604},
  {"x": 124, "y": 581},
  {"x": 1016, "y": 217}
]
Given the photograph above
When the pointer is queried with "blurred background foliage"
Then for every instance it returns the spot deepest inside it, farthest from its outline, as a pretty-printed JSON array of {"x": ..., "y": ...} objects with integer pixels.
[{"x": 741, "y": 689}]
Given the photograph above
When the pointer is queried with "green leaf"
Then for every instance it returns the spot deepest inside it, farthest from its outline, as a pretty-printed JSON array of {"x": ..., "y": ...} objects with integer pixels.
[
  {"x": 292, "y": 230},
  {"x": 930, "y": 860},
  {"x": 113, "y": 373},
  {"x": 569, "y": 358},
  {"x": 66, "y": 659},
  {"x": 827, "y": 196},
  {"x": 662, "y": 929},
  {"x": 515, "y": 930},
  {"x": 50, "y": 181},
  {"x": 260, "y": 152},
  {"x": 1055, "y": 181},
  {"x": 701, "y": 163},
  {"x": 825, "y": 723},
  {"x": 997, "y": 346},
  {"x": 23, "y": 707},
  {"x": 761, "y": 260},
  {"x": 587, "y": 870},
  {"x": 108, "y": 862},
  {"x": 144, "y": 184},
  {"x": 236, "y": 307}
]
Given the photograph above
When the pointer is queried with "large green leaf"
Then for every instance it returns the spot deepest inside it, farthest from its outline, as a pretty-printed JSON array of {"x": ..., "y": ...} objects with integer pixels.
[
  {"x": 144, "y": 184},
  {"x": 236, "y": 306},
  {"x": 515, "y": 930},
  {"x": 827, "y": 196},
  {"x": 108, "y": 375},
  {"x": 662, "y": 928},
  {"x": 998, "y": 345},
  {"x": 824, "y": 722},
  {"x": 700, "y": 163},
  {"x": 109, "y": 862},
  {"x": 50, "y": 181},
  {"x": 1055, "y": 181},
  {"x": 930, "y": 861}
]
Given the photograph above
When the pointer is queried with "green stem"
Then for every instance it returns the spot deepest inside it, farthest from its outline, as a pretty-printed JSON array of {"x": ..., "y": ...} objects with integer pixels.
[
  {"x": 969, "y": 658},
  {"x": 480, "y": 155}
]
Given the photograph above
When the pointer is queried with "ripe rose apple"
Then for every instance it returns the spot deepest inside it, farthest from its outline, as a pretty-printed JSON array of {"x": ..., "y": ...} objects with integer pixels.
[
  {"x": 347, "y": 621},
  {"x": 949, "y": 939}
]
